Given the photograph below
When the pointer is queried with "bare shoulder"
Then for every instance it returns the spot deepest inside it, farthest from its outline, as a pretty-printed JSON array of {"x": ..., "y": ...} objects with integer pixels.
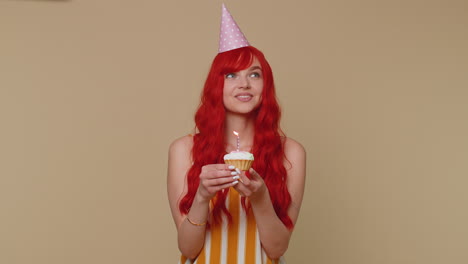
[
  {"x": 294, "y": 151},
  {"x": 179, "y": 163},
  {"x": 295, "y": 164},
  {"x": 181, "y": 145},
  {"x": 292, "y": 146}
]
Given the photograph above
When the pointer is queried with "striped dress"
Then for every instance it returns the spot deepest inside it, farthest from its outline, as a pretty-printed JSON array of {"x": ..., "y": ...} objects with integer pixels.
[{"x": 235, "y": 244}]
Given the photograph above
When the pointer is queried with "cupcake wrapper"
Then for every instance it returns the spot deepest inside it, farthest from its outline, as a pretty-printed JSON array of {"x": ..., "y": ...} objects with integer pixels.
[{"x": 240, "y": 164}]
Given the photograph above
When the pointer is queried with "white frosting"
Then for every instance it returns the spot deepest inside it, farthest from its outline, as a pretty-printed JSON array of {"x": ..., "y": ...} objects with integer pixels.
[{"x": 239, "y": 155}]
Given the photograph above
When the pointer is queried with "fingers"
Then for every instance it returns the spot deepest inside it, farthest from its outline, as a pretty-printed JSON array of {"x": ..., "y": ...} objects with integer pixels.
[
  {"x": 213, "y": 189},
  {"x": 216, "y": 177},
  {"x": 250, "y": 186},
  {"x": 222, "y": 181},
  {"x": 244, "y": 179},
  {"x": 212, "y": 167},
  {"x": 239, "y": 172},
  {"x": 214, "y": 171},
  {"x": 254, "y": 174}
]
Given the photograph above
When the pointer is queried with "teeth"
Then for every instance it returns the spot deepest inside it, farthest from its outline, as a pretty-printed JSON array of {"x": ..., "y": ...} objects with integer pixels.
[{"x": 244, "y": 96}]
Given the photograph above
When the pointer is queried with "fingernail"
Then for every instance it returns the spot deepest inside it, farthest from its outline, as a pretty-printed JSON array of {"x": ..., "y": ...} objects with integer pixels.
[
  {"x": 235, "y": 182},
  {"x": 234, "y": 173},
  {"x": 235, "y": 177},
  {"x": 231, "y": 167}
]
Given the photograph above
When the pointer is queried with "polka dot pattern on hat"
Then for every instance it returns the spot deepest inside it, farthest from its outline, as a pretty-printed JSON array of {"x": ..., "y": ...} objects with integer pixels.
[{"x": 230, "y": 36}]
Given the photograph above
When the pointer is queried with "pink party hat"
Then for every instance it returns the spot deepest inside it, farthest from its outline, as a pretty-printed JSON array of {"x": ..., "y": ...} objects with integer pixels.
[{"x": 230, "y": 36}]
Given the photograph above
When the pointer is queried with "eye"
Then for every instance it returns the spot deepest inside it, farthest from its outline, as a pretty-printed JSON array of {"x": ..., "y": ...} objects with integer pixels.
[
  {"x": 230, "y": 75},
  {"x": 255, "y": 75}
]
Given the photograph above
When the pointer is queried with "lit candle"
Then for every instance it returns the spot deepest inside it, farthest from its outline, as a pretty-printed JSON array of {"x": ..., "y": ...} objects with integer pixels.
[{"x": 238, "y": 141}]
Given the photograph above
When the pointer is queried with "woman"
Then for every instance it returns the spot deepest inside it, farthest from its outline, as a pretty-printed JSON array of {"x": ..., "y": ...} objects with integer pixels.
[{"x": 224, "y": 215}]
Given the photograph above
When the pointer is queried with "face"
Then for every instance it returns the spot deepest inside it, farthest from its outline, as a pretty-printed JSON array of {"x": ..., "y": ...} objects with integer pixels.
[{"x": 242, "y": 91}]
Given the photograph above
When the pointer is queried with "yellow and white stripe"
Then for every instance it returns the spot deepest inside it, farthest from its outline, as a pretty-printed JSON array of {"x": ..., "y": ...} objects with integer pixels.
[{"x": 234, "y": 244}]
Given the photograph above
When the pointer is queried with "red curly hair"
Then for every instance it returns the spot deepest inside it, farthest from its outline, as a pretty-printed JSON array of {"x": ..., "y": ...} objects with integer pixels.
[{"x": 209, "y": 144}]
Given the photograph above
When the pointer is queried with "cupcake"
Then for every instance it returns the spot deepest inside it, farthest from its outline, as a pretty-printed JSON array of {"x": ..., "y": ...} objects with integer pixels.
[{"x": 240, "y": 159}]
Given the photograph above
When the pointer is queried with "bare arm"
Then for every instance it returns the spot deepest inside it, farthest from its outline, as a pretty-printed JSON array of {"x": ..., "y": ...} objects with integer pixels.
[
  {"x": 178, "y": 165},
  {"x": 214, "y": 177},
  {"x": 274, "y": 235}
]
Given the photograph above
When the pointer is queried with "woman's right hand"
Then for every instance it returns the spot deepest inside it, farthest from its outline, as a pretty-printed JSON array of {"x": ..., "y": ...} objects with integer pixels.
[{"x": 215, "y": 177}]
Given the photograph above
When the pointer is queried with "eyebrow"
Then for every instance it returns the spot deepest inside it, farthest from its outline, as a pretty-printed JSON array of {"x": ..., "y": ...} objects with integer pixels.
[{"x": 255, "y": 68}]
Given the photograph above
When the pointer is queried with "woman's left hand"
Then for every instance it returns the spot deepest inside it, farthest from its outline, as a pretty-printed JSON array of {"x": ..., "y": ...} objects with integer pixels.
[{"x": 253, "y": 187}]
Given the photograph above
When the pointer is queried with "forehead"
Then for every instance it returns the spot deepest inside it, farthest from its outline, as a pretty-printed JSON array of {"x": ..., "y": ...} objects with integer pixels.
[
  {"x": 238, "y": 62},
  {"x": 255, "y": 63}
]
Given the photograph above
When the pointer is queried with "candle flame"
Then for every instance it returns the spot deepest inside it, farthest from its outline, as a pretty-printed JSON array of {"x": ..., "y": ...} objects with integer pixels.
[{"x": 235, "y": 133}]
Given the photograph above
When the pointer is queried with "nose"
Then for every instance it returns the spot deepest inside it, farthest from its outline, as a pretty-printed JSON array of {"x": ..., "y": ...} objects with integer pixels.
[{"x": 244, "y": 82}]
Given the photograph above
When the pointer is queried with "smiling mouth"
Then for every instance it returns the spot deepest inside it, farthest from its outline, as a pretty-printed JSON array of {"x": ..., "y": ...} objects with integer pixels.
[{"x": 244, "y": 97}]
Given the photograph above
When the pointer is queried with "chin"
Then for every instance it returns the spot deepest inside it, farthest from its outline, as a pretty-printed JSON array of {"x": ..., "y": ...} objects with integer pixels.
[{"x": 243, "y": 111}]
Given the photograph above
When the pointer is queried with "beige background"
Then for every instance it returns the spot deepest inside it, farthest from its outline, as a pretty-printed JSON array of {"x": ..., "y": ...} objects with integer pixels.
[{"x": 93, "y": 92}]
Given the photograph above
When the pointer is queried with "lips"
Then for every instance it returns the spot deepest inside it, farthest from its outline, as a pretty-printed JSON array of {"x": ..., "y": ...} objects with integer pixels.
[{"x": 244, "y": 97}]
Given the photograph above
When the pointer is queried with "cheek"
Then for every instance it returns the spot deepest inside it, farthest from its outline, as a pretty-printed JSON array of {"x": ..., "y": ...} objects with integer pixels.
[
  {"x": 225, "y": 91},
  {"x": 260, "y": 93},
  {"x": 226, "y": 97},
  {"x": 260, "y": 90}
]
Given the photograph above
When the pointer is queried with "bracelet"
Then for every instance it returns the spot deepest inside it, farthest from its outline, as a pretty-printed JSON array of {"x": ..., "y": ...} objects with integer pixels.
[{"x": 195, "y": 224}]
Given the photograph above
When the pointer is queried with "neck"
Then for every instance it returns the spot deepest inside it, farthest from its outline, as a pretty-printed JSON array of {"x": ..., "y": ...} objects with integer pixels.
[{"x": 245, "y": 126}]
